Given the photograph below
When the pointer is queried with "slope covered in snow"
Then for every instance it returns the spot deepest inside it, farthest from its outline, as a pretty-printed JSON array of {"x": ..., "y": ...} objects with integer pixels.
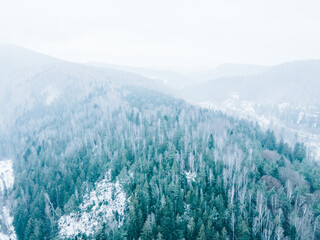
[
  {"x": 6, "y": 182},
  {"x": 105, "y": 204},
  {"x": 6, "y": 175}
]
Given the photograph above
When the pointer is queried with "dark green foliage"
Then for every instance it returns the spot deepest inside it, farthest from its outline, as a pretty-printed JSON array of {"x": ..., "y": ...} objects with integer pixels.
[
  {"x": 299, "y": 151},
  {"x": 270, "y": 140},
  {"x": 211, "y": 142}
]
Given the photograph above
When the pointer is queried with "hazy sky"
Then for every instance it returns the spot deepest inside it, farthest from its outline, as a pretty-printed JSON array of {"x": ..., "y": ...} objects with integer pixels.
[{"x": 178, "y": 33}]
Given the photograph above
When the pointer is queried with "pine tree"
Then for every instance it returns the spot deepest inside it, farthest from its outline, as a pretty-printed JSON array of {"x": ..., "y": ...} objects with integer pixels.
[
  {"x": 211, "y": 142},
  {"x": 159, "y": 236},
  {"x": 299, "y": 151},
  {"x": 146, "y": 231},
  {"x": 270, "y": 141},
  {"x": 191, "y": 229},
  {"x": 244, "y": 232},
  {"x": 202, "y": 233},
  {"x": 224, "y": 233}
]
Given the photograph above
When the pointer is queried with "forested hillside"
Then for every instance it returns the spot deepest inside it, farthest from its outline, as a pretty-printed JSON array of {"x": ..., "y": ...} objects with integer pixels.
[
  {"x": 102, "y": 157},
  {"x": 187, "y": 172}
]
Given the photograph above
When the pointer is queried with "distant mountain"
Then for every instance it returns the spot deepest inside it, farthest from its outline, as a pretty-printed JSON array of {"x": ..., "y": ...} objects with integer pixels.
[
  {"x": 19, "y": 64},
  {"x": 16, "y": 59},
  {"x": 293, "y": 82},
  {"x": 178, "y": 80},
  {"x": 228, "y": 70},
  {"x": 174, "y": 80},
  {"x": 28, "y": 78}
]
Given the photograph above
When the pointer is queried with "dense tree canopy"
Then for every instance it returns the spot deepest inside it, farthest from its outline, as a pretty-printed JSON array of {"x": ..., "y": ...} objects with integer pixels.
[{"x": 188, "y": 173}]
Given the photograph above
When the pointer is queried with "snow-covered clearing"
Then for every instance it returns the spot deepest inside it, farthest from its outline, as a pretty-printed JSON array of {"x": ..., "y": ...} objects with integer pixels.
[
  {"x": 98, "y": 207},
  {"x": 7, "y": 231},
  {"x": 7, "y": 220},
  {"x": 6, "y": 175}
]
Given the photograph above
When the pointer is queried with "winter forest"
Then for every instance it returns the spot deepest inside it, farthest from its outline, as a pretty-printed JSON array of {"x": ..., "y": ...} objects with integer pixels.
[{"x": 112, "y": 149}]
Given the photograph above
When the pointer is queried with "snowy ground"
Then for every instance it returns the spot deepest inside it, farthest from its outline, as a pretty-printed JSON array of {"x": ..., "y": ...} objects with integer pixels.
[
  {"x": 7, "y": 231},
  {"x": 98, "y": 207},
  {"x": 6, "y": 175},
  {"x": 7, "y": 220}
]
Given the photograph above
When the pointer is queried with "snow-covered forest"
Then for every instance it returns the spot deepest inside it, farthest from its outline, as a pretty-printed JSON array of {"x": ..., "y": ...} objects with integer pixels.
[{"x": 105, "y": 154}]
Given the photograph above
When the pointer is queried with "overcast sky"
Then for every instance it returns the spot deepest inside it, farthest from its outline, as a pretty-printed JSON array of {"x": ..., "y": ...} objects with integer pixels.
[{"x": 178, "y": 33}]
